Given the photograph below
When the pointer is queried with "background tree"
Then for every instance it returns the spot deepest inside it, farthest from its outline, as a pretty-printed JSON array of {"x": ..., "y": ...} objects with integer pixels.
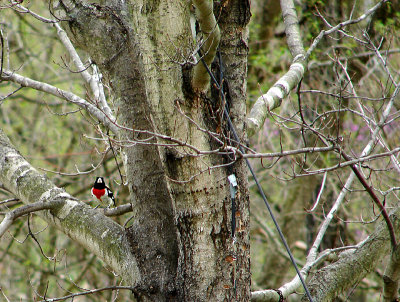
[{"x": 136, "y": 104}]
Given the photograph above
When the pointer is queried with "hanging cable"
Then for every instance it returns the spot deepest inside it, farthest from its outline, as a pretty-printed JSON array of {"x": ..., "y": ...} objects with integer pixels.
[{"x": 219, "y": 86}]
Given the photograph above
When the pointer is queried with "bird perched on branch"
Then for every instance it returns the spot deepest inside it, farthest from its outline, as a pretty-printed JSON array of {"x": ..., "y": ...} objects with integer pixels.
[{"x": 103, "y": 193}]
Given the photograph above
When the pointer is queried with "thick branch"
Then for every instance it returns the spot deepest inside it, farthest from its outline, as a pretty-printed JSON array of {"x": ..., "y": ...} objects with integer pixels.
[
  {"x": 265, "y": 296},
  {"x": 281, "y": 89},
  {"x": 353, "y": 266},
  {"x": 120, "y": 210},
  {"x": 391, "y": 277},
  {"x": 211, "y": 34},
  {"x": 87, "y": 226}
]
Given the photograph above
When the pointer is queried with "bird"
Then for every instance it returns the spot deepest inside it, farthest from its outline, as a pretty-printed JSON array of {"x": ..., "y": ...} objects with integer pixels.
[{"x": 103, "y": 193}]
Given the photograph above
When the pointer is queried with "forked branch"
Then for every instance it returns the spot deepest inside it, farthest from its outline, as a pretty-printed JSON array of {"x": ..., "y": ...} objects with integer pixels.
[{"x": 281, "y": 89}]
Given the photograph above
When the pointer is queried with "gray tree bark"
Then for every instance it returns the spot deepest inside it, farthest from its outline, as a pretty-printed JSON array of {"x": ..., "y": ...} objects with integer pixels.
[
  {"x": 352, "y": 266},
  {"x": 181, "y": 238},
  {"x": 86, "y": 226}
]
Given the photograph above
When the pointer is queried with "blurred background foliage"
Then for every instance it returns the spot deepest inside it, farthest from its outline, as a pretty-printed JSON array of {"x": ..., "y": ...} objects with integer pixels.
[
  {"x": 325, "y": 89},
  {"x": 58, "y": 139},
  {"x": 56, "y": 136}
]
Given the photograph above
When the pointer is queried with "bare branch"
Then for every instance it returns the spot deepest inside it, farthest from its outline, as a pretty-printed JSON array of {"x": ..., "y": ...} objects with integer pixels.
[
  {"x": 288, "y": 153},
  {"x": 21, "y": 211},
  {"x": 120, "y": 210},
  {"x": 375, "y": 199},
  {"x": 270, "y": 295},
  {"x": 313, "y": 251},
  {"x": 66, "y": 95},
  {"x": 95, "y": 82},
  {"x": 88, "y": 292},
  {"x": 1, "y": 290},
  {"x": 21, "y": 9},
  {"x": 341, "y": 25},
  {"x": 78, "y": 172},
  {"x": 8, "y": 200},
  {"x": 319, "y": 194},
  {"x": 364, "y": 253},
  {"x": 350, "y": 162},
  {"x": 281, "y": 89},
  {"x": 329, "y": 281}
]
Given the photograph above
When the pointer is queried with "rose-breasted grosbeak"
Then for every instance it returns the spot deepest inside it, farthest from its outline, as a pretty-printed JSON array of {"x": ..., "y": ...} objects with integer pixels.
[{"x": 102, "y": 192}]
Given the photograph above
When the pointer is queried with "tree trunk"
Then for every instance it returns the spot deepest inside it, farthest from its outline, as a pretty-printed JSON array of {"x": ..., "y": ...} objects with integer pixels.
[{"x": 181, "y": 235}]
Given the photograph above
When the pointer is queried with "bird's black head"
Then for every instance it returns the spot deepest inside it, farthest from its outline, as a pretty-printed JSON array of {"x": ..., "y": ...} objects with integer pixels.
[{"x": 99, "y": 183}]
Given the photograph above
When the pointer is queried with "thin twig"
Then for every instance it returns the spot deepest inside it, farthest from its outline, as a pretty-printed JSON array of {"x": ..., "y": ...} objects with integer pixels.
[
  {"x": 375, "y": 199},
  {"x": 88, "y": 292},
  {"x": 23, "y": 210}
]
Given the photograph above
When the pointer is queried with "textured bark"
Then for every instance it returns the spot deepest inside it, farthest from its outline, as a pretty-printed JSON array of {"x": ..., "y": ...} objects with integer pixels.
[
  {"x": 234, "y": 49},
  {"x": 281, "y": 89},
  {"x": 391, "y": 276},
  {"x": 181, "y": 231},
  {"x": 211, "y": 36},
  {"x": 352, "y": 266},
  {"x": 77, "y": 220}
]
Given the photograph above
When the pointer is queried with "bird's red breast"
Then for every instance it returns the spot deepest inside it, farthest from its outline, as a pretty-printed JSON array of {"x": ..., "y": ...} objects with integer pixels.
[{"x": 98, "y": 192}]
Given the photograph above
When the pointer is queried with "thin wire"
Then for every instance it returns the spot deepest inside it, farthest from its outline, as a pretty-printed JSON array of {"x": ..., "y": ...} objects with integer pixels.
[{"x": 260, "y": 189}]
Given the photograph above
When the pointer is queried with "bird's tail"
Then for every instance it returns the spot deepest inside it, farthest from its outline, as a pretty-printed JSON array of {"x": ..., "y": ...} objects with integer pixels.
[{"x": 111, "y": 196}]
